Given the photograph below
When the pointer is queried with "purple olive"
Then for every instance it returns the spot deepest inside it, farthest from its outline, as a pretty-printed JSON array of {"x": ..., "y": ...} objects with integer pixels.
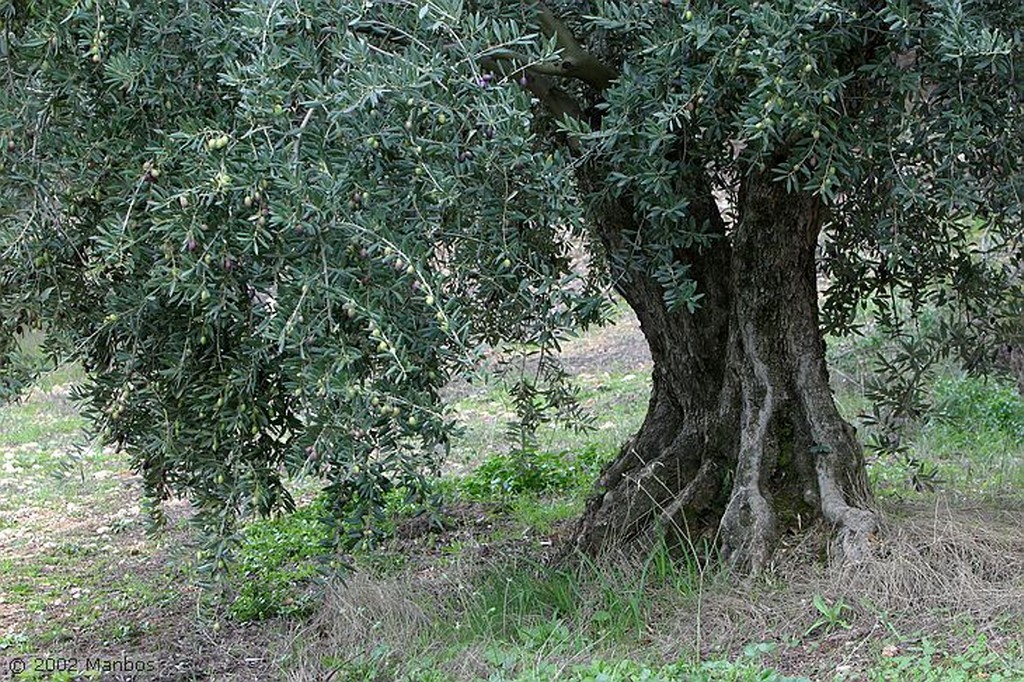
[{"x": 191, "y": 245}]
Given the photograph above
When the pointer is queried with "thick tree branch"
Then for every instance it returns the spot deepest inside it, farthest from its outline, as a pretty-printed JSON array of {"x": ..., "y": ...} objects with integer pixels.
[
  {"x": 558, "y": 101},
  {"x": 535, "y": 78},
  {"x": 576, "y": 62},
  {"x": 539, "y": 78}
]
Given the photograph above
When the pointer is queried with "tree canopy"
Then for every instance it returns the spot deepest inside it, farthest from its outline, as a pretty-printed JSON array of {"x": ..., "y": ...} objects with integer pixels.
[{"x": 271, "y": 232}]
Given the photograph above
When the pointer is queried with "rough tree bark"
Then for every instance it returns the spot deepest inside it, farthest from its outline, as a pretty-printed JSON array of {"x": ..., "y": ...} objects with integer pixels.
[{"x": 742, "y": 439}]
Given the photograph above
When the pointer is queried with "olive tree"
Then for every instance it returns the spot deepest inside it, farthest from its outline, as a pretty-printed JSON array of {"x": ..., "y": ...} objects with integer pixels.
[{"x": 271, "y": 231}]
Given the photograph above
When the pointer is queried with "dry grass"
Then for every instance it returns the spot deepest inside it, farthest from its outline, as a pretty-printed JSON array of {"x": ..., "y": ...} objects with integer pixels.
[
  {"x": 937, "y": 568},
  {"x": 358, "y": 616},
  {"x": 944, "y": 573}
]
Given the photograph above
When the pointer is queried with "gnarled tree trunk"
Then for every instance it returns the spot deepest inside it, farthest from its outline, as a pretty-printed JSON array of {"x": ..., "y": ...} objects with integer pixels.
[{"x": 742, "y": 439}]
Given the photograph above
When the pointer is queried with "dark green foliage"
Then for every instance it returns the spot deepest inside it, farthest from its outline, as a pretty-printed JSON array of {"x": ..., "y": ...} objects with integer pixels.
[
  {"x": 270, "y": 233},
  {"x": 263, "y": 239}
]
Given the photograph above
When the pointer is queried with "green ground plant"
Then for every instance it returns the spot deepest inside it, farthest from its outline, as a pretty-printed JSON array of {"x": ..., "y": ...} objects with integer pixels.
[
  {"x": 507, "y": 476},
  {"x": 278, "y": 562},
  {"x": 927, "y": 662}
]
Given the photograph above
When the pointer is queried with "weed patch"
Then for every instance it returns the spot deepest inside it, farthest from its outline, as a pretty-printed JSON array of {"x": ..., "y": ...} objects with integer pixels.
[
  {"x": 511, "y": 475},
  {"x": 278, "y": 561}
]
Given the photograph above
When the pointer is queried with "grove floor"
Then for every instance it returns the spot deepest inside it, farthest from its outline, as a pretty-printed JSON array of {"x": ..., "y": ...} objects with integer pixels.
[{"x": 80, "y": 577}]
